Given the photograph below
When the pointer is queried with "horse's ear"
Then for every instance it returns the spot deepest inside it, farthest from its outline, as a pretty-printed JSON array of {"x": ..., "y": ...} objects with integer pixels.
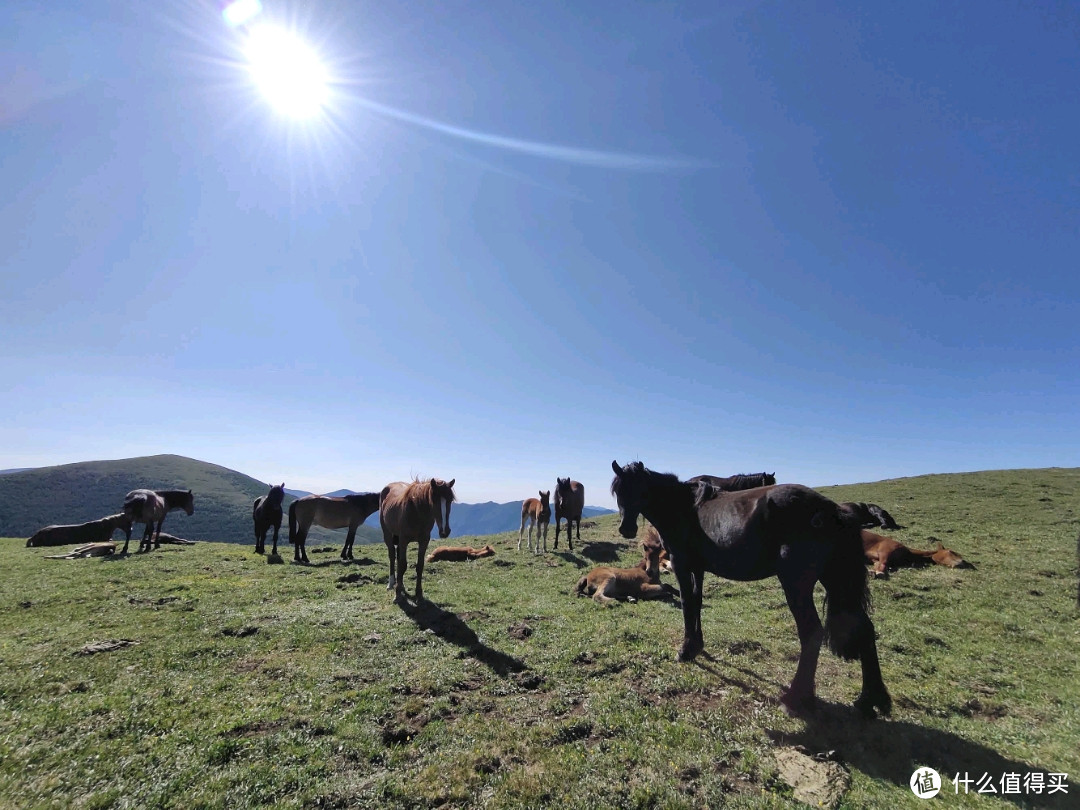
[
  {"x": 541, "y": 492},
  {"x": 615, "y": 466},
  {"x": 451, "y": 484}
]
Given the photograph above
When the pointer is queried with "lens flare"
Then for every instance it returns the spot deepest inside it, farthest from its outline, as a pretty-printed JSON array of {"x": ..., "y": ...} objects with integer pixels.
[{"x": 287, "y": 71}]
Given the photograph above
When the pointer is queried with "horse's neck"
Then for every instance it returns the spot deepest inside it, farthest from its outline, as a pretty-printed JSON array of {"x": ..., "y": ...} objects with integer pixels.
[
  {"x": 670, "y": 509},
  {"x": 918, "y": 552}
]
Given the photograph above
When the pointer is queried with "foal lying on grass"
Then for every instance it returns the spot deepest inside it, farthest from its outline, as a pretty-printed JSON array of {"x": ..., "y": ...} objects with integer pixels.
[
  {"x": 605, "y": 584},
  {"x": 459, "y": 553},
  {"x": 886, "y": 554}
]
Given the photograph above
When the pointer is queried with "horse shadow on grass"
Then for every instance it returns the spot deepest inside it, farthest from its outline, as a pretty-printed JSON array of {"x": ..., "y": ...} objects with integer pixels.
[
  {"x": 891, "y": 750},
  {"x": 571, "y": 557},
  {"x": 450, "y": 627},
  {"x": 602, "y": 552},
  {"x": 337, "y": 561}
]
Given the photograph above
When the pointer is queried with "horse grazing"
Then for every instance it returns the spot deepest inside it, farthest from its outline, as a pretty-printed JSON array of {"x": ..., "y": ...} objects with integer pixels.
[
  {"x": 885, "y": 554},
  {"x": 407, "y": 513},
  {"x": 459, "y": 553},
  {"x": 149, "y": 506},
  {"x": 735, "y": 483},
  {"x": 331, "y": 513},
  {"x": 787, "y": 531},
  {"x": 605, "y": 584},
  {"x": 569, "y": 501},
  {"x": 869, "y": 515},
  {"x": 266, "y": 512},
  {"x": 95, "y": 531},
  {"x": 538, "y": 513}
]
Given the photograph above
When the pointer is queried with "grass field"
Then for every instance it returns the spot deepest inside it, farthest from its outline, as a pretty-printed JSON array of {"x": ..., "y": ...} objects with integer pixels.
[{"x": 305, "y": 686}]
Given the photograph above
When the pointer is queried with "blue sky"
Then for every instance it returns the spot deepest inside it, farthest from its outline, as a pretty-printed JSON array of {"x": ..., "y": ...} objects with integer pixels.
[{"x": 834, "y": 240}]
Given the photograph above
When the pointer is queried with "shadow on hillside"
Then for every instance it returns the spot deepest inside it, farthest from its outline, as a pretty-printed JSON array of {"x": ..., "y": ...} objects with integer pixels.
[
  {"x": 602, "y": 552},
  {"x": 571, "y": 557},
  {"x": 450, "y": 627},
  {"x": 893, "y": 749},
  {"x": 765, "y": 689}
]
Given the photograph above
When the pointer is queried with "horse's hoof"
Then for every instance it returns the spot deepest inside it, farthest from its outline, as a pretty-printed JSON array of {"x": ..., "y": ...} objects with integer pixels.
[
  {"x": 795, "y": 704},
  {"x": 867, "y": 703},
  {"x": 688, "y": 654}
]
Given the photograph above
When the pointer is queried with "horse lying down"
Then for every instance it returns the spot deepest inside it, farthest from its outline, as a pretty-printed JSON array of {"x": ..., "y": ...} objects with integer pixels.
[
  {"x": 459, "y": 553},
  {"x": 95, "y": 531},
  {"x": 606, "y": 584},
  {"x": 886, "y": 554}
]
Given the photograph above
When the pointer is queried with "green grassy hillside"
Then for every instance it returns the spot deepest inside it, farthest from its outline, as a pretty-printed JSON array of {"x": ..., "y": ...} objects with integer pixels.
[
  {"x": 293, "y": 686},
  {"x": 75, "y": 493}
]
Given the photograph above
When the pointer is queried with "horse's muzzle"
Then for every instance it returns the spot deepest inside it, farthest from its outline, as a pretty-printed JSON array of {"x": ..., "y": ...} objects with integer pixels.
[
  {"x": 628, "y": 529},
  {"x": 444, "y": 533}
]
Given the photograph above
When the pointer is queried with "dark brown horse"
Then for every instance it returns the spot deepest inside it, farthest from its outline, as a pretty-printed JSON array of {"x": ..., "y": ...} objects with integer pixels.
[
  {"x": 96, "y": 531},
  {"x": 331, "y": 513},
  {"x": 149, "y": 506},
  {"x": 266, "y": 512},
  {"x": 538, "y": 513},
  {"x": 736, "y": 483},
  {"x": 569, "y": 502},
  {"x": 788, "y": 531},
  {"x": 870, "y": 515},
  {"x": 407, "y": 513}
]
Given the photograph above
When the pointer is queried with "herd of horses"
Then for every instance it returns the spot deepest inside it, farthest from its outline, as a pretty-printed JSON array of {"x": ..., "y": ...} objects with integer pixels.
[{"x": 743, "y": 527}]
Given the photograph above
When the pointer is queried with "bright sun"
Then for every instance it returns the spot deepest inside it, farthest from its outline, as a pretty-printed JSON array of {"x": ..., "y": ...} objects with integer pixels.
[{"x": 287, "y": 71}]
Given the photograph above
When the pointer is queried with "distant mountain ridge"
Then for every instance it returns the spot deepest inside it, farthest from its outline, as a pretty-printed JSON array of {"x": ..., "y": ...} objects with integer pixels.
[{"x": 76, "y": 493}]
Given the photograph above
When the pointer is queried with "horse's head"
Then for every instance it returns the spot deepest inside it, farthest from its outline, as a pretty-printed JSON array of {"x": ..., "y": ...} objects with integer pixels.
[
  {"x": 277, "y": 494},
  {"x": 768, "y": 479},
  {"x": 949, "y": 558},
  {"x": 545, "y": 499},
  {"x": 442, "y": 495},
  {"x": 562, "y": 485},
  {"x": 189, "y": 503},
  {"x": 630, "y": 488}
]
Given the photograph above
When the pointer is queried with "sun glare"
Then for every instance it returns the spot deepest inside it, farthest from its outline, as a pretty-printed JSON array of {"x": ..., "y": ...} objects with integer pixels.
[{"x": 287, "y": 71}]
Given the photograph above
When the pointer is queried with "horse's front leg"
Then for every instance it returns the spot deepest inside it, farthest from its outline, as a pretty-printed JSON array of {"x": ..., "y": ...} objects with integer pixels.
[
  {"x": 262, "y": 550},
  {"x": 402, "y": 564},
  {"x": 157, "y": 535},
  {"x": 422, "y": 546},
  {"x": 690, "y": 593},
  {"x": 346, "y": 550},
  {"x": 555, "y": 545},
  {"x": 873, "y": 694},
  {"x": 542, "y": 527},
  {"x": 799, "y": 591}
]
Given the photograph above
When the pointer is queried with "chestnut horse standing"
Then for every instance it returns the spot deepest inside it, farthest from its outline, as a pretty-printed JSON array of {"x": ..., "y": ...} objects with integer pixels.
[
  {"x": 150, "y": 506},
  {"x": 788, "y": 531},
  {"x": 330, "y": 512},
  {"x": 407, "y": 513},
  {"x": 266, "y": 512},
  {"x": 538, "y": 513},
  {"x": 569, "y": 501}
]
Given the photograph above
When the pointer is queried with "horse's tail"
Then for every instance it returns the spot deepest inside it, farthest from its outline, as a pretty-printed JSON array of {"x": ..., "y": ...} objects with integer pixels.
[
  {"x": 292, "y": 521},
  {"x": 847, "y": 589}
]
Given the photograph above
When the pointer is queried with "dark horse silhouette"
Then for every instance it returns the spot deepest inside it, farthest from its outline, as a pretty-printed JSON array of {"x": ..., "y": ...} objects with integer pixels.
[
  {"x": 569, "y": 503},
  {"x": 331, "y": 513},
  {"x": 734, "y": 483},
  {"x": 870, "y": 515},
  {"x": 787, "y": 531},
  {"x": 266, "y": 512},
  {"x": 150, "y": 506}
]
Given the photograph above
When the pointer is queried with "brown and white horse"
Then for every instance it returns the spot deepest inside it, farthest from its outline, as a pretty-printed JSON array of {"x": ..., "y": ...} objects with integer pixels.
[
  {"x": 407, "y": 513},
  {"x": 538, "y": 513}
]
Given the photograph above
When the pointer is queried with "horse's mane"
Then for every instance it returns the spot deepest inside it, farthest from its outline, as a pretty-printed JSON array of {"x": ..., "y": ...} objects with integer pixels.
[
  {"x": 655, "y": 478},
  {"x": 422, "y": 489}
]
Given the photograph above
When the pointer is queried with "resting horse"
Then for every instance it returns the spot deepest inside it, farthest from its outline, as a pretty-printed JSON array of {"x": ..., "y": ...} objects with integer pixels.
[
  {"x": 96, "y": 531},
  {"x": 735, "y": 483},
  {"x": 266, "y": 512},
  {"x": 149, "y": 506},
  {"x": 870, "y": 515},
  {"x": 787, "y": 531},
  {"x": 407, "y": 513},
  {"x": 885, "y": 554},
  {"x": 606, "y": 584},
  {"x": 569, "y": 504},
  {"x": 537, "y": 513},
  {"x": 331, "y": 513},
  {"x": 459, "y": 553}
]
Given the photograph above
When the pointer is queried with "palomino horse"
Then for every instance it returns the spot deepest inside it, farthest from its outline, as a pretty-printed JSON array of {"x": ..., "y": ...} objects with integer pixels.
[
  {"x": 266, "y": 512},
  {"x": 787, "y": 531},
  {"x": 569, "y": 501},
  {"x": 735, "y": 483},
  {"x": 149, "y": 506},
  {"x": 885, "y": 554},
  {"x": 331, "y": 513},
  {"x": 96, "y": 531},
  {"x": 407, "y": 513},
  {"x": 537, "y": 513}
]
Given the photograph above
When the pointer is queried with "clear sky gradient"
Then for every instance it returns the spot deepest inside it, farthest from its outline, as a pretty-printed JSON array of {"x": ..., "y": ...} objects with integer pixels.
[{"x": 835, "y": 240}]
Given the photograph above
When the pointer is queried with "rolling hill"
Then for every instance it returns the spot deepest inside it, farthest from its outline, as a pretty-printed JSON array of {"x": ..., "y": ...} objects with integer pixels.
[{"x": 75, "y": 493}]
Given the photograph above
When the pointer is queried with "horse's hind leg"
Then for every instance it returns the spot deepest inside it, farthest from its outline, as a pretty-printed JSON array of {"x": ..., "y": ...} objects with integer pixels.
[
  {"x": 690, "y": 592},
  {"x": 346, "y": 550},
  {"x": 402, "y": 564},
  {"x": 521, "y": 533},
  {"x": 799, "y": 590},
  {"x": 873, "y": 694}
]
